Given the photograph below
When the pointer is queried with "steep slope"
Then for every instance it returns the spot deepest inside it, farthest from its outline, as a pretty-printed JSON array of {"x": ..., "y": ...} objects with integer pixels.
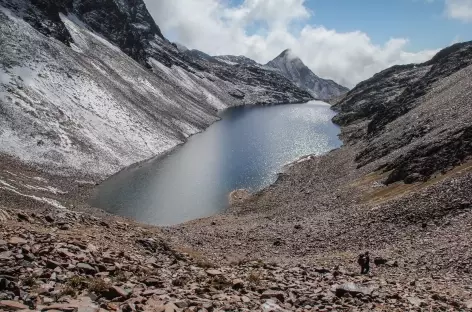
[
  {"x": 424, "y": 127},
  {"x": 294, "y": 69},
  {"x": 89, "y": 87}
]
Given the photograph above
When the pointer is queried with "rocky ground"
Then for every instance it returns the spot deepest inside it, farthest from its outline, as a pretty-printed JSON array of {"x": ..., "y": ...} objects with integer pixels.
[
  {"x": 75, "y": 262},
  {"x": 400, "y": 188}
]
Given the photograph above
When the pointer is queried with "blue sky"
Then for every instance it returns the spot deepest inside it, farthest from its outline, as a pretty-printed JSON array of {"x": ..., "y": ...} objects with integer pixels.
[
  {"x": 344, "y": 40},
  {"x": 423, "y": 22}
]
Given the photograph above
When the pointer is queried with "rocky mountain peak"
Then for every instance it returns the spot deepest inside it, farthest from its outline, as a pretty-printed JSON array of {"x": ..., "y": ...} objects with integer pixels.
[
  {"x": 286, "y": 53},
  {"x": 125, "y": 23},
  {"x": 293, "y": 68}
]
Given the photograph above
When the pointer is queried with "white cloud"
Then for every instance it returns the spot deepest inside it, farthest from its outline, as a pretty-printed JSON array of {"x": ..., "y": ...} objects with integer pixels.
[
  {"x": 459, "y": 9},
  {"x": 215, "y": 27}
]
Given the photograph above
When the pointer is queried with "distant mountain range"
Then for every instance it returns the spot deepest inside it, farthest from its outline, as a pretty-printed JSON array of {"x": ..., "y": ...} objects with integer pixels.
[{"x": 292, "y": 67}]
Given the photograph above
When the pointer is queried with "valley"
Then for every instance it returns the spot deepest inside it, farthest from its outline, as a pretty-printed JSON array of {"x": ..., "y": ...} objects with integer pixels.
[{"x": 83, "y": 98}]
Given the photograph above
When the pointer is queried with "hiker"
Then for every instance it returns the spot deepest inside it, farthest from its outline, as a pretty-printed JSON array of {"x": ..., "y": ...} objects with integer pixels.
[{"x": 364, "y": 262}]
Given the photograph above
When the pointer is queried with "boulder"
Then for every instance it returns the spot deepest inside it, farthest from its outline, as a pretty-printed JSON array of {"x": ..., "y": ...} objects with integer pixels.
[
  {"x": 152, "y": 281},
  {"x": 17, "y": 241},
  {"x": 86, "y": 268},
  {"x": 10, "y": 305},
  {"x": 115, "y": 292},
  {"x": 270, "y": 294},
  {"x": 417, "y": 302},
  {"x": 238, "y": 284},
  {"x": 352, "y": 289},
  {"x": 271, "y": 306},
  {"x": 468, "y": 304},
  {"x": 213, "y": 272},
  {"x": 380, "y": 261}
]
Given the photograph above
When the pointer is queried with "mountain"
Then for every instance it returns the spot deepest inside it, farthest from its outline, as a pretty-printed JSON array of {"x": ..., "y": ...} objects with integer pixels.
[
  {"x": 294, "y": 69},
  {"x": 417, "y": 116},
  {"x": 180, "y": 47},
  {"x": 237, "y": 59},
  {"x": 90, "y": 87}
]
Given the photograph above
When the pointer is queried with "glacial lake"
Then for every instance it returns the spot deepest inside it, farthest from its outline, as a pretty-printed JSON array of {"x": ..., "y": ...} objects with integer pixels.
[{"x": 244, "y": 150}]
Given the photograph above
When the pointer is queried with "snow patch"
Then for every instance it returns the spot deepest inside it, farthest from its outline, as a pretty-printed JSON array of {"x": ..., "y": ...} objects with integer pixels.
[
  {"x": 45, "y": 200},
  {"x": 48, "y": 189},
  {"x": 7, "y": 185}
]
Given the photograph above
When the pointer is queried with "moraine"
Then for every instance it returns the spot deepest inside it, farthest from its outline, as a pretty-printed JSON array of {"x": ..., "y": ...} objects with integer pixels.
[{"x": 245, "y": 150}]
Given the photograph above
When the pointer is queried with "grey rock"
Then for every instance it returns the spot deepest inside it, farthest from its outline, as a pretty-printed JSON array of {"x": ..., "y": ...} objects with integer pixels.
[
  {"x": 213, "y": 272},
  {"x": 87, "y": 268},
  {"x": 17, "y": 241},
  {"x": 352, "y": 289},
  {"x": 296, "y": 71},
  {"x": 268, "y": 294},
  {"x": 10, "y": 305}
]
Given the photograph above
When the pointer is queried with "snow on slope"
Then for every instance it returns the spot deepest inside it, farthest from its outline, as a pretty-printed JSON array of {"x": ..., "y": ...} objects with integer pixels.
[
  {"x": 232, "y": 59},
  {"x": 295, "y": 70},
  {"x": 90, "y": 109},
  {"x": 89, "y": 88}
]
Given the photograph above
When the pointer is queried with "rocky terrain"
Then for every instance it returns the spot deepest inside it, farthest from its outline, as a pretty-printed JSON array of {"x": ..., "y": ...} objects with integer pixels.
[
  {"x": 90, "y": 87},
  {"x": 293, "y": 68},
  {"x": 401, "y": 191},
  {"x": 71, "y": 261},
  {"x": 77, "y": 106},
  {"x": 421, "y": 118}
]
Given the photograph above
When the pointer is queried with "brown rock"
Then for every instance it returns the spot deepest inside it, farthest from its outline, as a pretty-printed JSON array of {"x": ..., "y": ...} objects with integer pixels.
[
  {"x": 181, "y": 304},
  {"x": 417, "y": 302},
  {"x": 10, "y": 305},
  {"x": 152, "y": 281},
  {"x": 238, "y": 284},
  {"x": 170, "y": 307},
  {"x": 269, "y": 294},
  {"x": 213, "y": 272},
  {"x": 151, "y": 292},
  {"x": 51, "y": 264},
  {"x": 468, "y": 304},
  {"x": 23, "y": 217},
  {"x": 115, "y": 292},
  {"x": 87, "y": 268},
  {"x": 353, "y": 289},
  {"x": 17, "y": 241},
  {"x": 6, "y": 255}
]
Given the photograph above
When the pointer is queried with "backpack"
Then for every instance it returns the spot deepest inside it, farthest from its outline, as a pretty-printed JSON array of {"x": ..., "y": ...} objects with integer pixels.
[{"x": 361, "y": 260}]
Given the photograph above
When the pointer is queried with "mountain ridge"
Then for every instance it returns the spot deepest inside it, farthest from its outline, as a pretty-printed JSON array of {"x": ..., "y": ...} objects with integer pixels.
[{"x": 109, "y": 61}]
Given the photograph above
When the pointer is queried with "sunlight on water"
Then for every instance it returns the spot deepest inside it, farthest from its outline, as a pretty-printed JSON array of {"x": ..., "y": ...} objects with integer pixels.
[{"x": 246, "y": 149}]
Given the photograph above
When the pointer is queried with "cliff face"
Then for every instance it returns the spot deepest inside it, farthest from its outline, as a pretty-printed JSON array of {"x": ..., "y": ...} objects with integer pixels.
[
  {"x": 90, "y": 87},
  {"x": 418, "y": 114},
  {"x": 292, "y": 67}
]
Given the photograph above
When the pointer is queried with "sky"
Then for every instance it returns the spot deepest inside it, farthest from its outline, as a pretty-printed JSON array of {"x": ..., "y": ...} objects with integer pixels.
[{"x": 344, "y": 40}]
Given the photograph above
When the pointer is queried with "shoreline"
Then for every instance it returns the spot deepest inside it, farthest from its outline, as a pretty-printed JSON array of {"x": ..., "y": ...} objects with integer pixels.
[{"x": 78, "y": 192}]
